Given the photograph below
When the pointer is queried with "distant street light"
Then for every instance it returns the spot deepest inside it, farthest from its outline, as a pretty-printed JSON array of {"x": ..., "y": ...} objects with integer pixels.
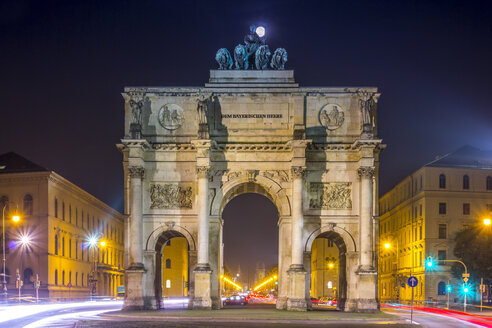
[
  {"x": 486, "y": 221},
  {"x": 15, "y": 218}
]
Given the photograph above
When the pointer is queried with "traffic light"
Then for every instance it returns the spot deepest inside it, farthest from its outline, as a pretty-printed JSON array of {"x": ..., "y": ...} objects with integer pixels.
[
  {"x": 449, "y": 288},
  {"x": 465, "y": 289},
  {"x": 429, "y": 263}
]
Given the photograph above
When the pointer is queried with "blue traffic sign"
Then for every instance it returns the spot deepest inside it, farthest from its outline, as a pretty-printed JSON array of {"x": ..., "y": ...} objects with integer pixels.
[{"x": 413, "y": 281}]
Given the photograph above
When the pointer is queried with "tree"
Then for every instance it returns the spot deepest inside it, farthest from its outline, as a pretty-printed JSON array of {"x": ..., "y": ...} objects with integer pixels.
[{"x": 473, "y": 246}]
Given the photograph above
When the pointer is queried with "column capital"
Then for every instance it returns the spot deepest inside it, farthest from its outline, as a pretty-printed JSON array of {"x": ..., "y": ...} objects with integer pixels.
[
  {"x": 202, "y": 171},
  {"x": 298, "y": 172},
  {"x": 136, "y": 171},
  {"x": 366, "y": 171}
]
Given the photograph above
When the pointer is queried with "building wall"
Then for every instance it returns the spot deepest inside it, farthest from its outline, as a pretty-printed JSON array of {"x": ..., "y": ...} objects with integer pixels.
[
  {"x": 69, "y": 226},
  {"x": 175, "y": 277},
  {"x": 410, "y": 219}
]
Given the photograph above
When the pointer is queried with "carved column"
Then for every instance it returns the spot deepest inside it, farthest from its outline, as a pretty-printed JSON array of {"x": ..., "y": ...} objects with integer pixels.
[
  {"x": 202, "y": 298},
  {"x": 297, "y": 218},
  {"x": 297, "y": 274},
  {"x": 136, "y": 226},
  {"x": 367, "y": 282},
  {"x": 203, "y": 222},
  {"x": 366, "y": 232}
]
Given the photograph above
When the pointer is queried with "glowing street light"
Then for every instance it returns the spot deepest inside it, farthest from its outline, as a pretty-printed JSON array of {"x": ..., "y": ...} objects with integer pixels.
[
  {"x": 387, "y": 245},
  {"x": 330, "y": 265},
  {"x": 429, "y": 262},
  {"x": 92, "y": 241},
  {"x": 16, "y": 218},
  {"x": 102, "y": 243},
  {"x": 25, "y": 240},
  {"x": 260, "y": 30},
  {"x": 486, "y": 221}
]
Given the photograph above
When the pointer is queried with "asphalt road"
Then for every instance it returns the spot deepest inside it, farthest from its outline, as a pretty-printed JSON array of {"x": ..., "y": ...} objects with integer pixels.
[
  {"x": 64, "y": 316},
  {"x": 430, "y": 320}
]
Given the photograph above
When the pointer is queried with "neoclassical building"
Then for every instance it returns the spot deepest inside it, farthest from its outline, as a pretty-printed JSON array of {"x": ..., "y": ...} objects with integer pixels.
[
  {"x": 420, "y": 217},
  {"x": 314, "y": 152},
  {"x": 57, "y": 217}
]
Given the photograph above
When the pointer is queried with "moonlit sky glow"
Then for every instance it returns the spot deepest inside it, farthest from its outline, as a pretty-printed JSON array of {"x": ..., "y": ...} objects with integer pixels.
[{"x": 260, "y": 30}]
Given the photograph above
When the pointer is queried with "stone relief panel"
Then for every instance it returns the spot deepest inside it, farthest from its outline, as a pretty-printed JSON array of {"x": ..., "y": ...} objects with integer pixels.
[
  {"x": 331, "y": 195},
  {"x": 277, "y": 175},
  {"x": 171, "y": 116},
  {"x": 331, "y": 116},
  {"x": 167, "y": 195}
]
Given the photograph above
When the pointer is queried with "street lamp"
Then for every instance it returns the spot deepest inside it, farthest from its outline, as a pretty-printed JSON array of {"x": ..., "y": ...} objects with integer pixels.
[
  {"x": 94, "y": 243},
  {"x": 486, "y": 222},
  {"x": 15, "y": 218},
  {"x": 388, "y": 245}
]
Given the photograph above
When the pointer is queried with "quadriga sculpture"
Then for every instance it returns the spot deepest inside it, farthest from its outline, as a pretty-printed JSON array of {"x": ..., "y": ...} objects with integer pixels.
[
  {"x": 279, "y": 59},
  {"x": 241, "y": 57},
  {"x": 223, "y": 57},
  {"x": 262, "y": 57}
]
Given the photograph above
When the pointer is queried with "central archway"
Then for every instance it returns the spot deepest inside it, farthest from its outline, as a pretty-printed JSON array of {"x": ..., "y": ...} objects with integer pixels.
[{"x": 250, "y": 192}]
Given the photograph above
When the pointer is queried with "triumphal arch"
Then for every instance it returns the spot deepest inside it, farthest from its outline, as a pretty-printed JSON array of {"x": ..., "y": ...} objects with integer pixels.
[{"x": 313, "y": 151}]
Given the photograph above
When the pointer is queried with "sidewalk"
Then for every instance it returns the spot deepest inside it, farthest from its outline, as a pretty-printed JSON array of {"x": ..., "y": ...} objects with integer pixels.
[{"x": 246, "y": 317}]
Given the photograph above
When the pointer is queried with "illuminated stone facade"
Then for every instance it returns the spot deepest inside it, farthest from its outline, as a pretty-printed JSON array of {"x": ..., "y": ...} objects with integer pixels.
[
  {"x": 313, "y": 152},
  {"x": 58, "y": 217},
  {"x": 420, "y": 217}
]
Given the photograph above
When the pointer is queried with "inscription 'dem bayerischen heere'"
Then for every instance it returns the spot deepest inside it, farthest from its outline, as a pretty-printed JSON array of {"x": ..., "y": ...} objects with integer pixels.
[{"x": 251, "y": 115}]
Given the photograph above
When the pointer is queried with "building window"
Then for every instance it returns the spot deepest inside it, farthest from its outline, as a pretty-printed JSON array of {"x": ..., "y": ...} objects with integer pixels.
[
  {"x": 63, "y": 211},
  {"x": 56, "y": 244},
  {"x": 76, "y": 249},
  {"x": 82, "y": 279},
  {"x": 63, "y": 246},
  {"x": 466, "y": 182},
  {"x": 28, "y": 204},
  {"x": 441, "y": 288},
  {"x": 442, "y": 231},
  {"x": 56, "y": 208},
  {"x": 489, "y": 207},
  {"x": 63, "y": 278},
  {"x": 421, "y": 184},
  {"x": 168, "y": 263},
  {"x": 466, "y": 208},
  {"x": 489, "y": 183},
  {"x": 70, "y": 213},
  {"x": 330, "y": 284},
  {"x": 168, "y": 283},
  {"x": 441, "y": 256},
  {"x": 76, "y": 217},
  {"x": 420, "y": 232},
  {"x": 420, "y": 209},
  {"x": 442, "y": 181},
  {"x": 76, "y": 278},
  {"x": 70, "y": 248},
  {"x": 330, "y": 243},
  {"x": 442, "y": 208},
  {"x": 70, "y": 277},
  {"x": 56, "y": 277}
]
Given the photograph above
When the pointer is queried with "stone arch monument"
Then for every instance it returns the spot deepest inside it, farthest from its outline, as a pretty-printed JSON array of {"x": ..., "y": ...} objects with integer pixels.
[{"x": 313, "y": 152}]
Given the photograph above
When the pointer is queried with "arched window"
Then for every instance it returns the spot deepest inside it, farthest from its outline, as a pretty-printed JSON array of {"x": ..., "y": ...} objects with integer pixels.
[
  {"x": 489, "y": 183},
  {"x": 56, "y": 244},
  {"x": 28, "y": 275},
  {"x": 4, "y": 202},
  {"x": 27, "y": 204},
  {"x": 466, "y": 182},
  {"x": 56, "y": 208},
  {"x": 168, "y": 263},
  {"x": 168, "y": 283},
  {"x": 330, "y": 284},
  {"x": 56, "y": 277},
  {"x": 441, "y": 288},
  {"x": 63, "y": 278},
  {"x": 442, "y": 181}
]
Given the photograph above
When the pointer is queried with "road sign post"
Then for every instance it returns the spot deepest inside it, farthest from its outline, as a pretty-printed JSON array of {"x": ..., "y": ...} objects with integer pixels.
[{"x": 412, "y": 282}]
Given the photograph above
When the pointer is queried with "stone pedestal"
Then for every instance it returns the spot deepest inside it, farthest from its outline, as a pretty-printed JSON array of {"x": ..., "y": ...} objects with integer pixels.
[
  {"x": 134, "y": 299},
  {"x": 297, "y": 295},
  {"x": 202, "y": 299},
  {"x": 367, "y": 301}
]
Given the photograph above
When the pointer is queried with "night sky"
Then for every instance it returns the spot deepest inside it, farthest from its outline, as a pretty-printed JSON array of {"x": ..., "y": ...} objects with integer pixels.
[{"x": 64, "y": 64}]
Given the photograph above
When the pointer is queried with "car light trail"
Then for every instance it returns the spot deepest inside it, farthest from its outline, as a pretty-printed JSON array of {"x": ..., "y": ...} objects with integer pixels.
[{"x": 265, "y": 282}]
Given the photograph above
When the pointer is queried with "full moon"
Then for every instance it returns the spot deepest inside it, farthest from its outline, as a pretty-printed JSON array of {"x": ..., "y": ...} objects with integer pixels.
[{"x": 260, "y": 30}]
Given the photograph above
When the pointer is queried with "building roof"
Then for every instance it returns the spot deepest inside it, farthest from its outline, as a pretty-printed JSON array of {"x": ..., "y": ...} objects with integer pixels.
[
  {"x": 14, "y": 163},
  {"x": 465, "y": 157}
]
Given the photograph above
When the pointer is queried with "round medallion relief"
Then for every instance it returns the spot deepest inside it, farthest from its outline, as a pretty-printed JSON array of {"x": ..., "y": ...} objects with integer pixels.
[
  {"x": 171, "y": 116},
  {"x": 331, "y": 116}
]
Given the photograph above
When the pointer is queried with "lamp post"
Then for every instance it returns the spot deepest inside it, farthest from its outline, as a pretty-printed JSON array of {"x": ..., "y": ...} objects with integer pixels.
[
  {"x": 15, "y": 218},
  {"x": 94, "y": 244},
  {"x": 388, "y": 246}
]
